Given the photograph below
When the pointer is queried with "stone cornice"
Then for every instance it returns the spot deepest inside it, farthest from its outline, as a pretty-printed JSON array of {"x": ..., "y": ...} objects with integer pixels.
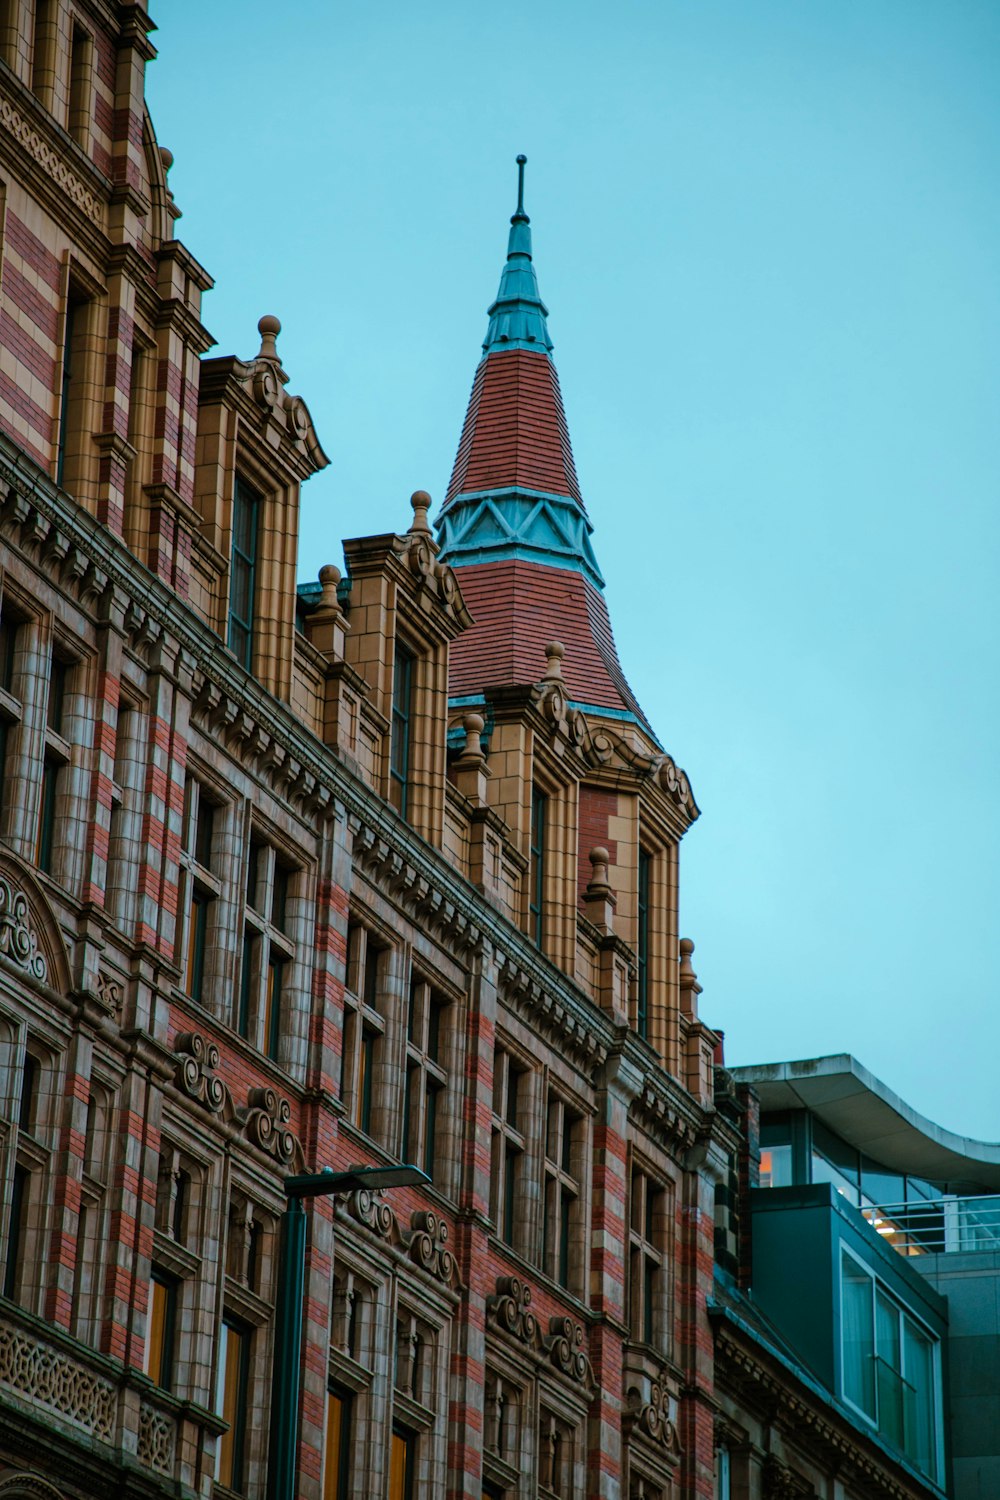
[{"x": 744, "y": 1368}]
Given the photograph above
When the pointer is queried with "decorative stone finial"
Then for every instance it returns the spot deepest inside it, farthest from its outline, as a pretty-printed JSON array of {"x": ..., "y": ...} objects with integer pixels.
[
  {"x": 329, "y": 577},
  {"x": 689, "y": 979},
  {"x": 473, "y": 724},
  {"x": 599, "y": 858},
  {"x": 269, "y": 327},
  {"x": 554, "y": 652},
  {"x": 167, "y": 158},
  {"x": 421, "y": 502}
]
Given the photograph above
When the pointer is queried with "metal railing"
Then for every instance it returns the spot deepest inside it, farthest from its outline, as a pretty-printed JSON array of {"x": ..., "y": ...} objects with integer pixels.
[{"x": 938, "y": 1226}]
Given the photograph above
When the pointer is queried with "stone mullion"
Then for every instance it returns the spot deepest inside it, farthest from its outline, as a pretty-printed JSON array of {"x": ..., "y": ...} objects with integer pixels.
[
  {"x": 162, "y": 815},
  {"x": 132, "y": 1203},
  {"x": 112, "y": 438},
  {"x": 66, "y": 1172},
  {"x": 559, "y": 927},
  {"x": 94, "y": 881}
]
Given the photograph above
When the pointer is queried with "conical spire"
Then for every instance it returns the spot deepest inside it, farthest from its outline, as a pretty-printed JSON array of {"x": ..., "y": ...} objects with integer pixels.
[
  {"x": 517, "y": 317},
  {"x": 513, "y": 521}
]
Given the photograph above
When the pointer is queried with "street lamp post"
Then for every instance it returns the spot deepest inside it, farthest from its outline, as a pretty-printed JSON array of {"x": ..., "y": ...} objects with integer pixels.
[{"x": 284, "y": 1444}]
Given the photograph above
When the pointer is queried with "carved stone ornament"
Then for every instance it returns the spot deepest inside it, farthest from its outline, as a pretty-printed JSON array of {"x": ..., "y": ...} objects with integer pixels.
[
  {"x": 110, "y": 992},
  {"x": 37, "y": 1372},
  {"x": 267, "y": 1125},
  {"x": 28, "y": 1487},
  {"x": 781, "y": 1483},
  {"x": 18, "y": 938},
  {"x": 565, "y": 1349},
  {"x": 156, "y": 1439},
  {"x": 392, "y": 872},
  {"x": 367, "y": 1208},
  {"x": 196, "y": 1061},
  {"x": 425, "y": 1245},
  {"x": 654, "y": 1417},
  {"x": 509, "y": 1310}
]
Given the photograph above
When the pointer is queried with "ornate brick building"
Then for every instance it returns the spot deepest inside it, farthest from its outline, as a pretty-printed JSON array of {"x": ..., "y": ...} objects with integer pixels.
[{"x": 379, "y": 868}]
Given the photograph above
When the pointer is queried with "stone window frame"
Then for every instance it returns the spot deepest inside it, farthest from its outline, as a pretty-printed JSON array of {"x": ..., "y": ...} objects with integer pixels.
[
  {"x": 88, "y": 1302},
  {"x": 29, "y": 1159},
  {"x": 511, "y": 1146},
  {"x": 509, "y": 1434},
  {"x": 209, "y": 883},
  {"x": 271, "y": 940},
  {"x": 184, "y": 1203},
  {"x": 127, "y": 787},
  {"x": 368, "y": 1004},
  {"x": 420, "y": 1405},
  {"x": 16, "y": 702},
  {"x": 360, "y": 1354},
  {"x": 79, "y": 387},
  {"x": 64, "y": 731},
  {"x": 644, "y": 1254},
  {"x": 432, "y": 1071},
  {"x": 565, "y": 1180}
]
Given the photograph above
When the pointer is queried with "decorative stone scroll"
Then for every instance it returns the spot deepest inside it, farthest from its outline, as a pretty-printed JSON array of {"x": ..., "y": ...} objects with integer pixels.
[
  {"x": 509, "y": 1310},
  {"x": 196, "y": 1061},
  {"x": 267, "y": 1125},
  {"x": 373, "y": 1212},
  {"x": 18, "y": 938},
  {"x": 425, "y": 1245},
  {"x": 38, "y": 1372},
  {"x": 564, "y": 1347},
  {"x": 654, "y": 1417},
  {"x": 110, "y": 993},
  {"x": 156, "y": 1439}
]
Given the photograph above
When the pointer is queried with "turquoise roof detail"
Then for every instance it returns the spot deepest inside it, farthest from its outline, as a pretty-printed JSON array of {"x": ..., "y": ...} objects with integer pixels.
[
  {"x": 517, "y": 317},
  {"x": 500, "y": 524}
]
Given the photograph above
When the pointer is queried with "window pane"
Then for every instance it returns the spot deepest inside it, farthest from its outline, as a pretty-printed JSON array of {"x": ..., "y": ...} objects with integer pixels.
[
  {"x": 921, "y": 1436},
  {"x": 858, "y": 1336}
]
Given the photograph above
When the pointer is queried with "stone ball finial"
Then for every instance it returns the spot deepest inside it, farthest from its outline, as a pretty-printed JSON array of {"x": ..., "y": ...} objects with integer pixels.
[
  {"x": 686, "y": 947},
  {"x": 598, "y": 856},
  {"x": 269, "y": 327},
  {"x": 421, "y": 502},
  {"x": 473, "y": 724},
  {"x": 167, "y": 158},
  {"x": 554, "y": 652},
  {"x": 329, "y": 577}
]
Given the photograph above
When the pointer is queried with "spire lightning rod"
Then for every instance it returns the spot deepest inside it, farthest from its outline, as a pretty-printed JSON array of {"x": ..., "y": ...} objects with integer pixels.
[{"x": 520, "y": 187}]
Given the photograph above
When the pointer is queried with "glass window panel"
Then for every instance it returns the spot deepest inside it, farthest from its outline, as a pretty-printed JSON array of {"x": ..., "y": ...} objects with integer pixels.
[
  {"x": 776, "y": 1166},
  {"x": 858, "y": 1336}
]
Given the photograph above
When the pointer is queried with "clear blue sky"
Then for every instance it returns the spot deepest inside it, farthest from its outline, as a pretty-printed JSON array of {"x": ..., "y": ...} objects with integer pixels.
[{"x": 768, "y": 236}]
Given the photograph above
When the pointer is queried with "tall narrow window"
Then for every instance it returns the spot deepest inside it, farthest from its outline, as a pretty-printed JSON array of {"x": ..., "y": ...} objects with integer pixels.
[
  {"x": 231, "y": 1403},
  {"x": 243, "y": 572},
  {"x": 364, "y": 1026},
  {"x": 562, "y": 1243},
  {"x": 267, "y": 951},
  {"x": 161, "y": 1328},
  {"x": 426, "y": 1080},
  {"x": 646, "y": 1269},
  {"x": 536, "y": 870},
  {"x": 19, "y": 1190},
  {"x": 72, "y": 376},
  {"x": 336, "y": 1461},
  {"x": 10, "y": 707},
  {"x": 642, "y": 947},
  {"x": 80, "y": 70},
  {"x": 201, "y": 885},
  {"x": 399, "y": 747},
  {"x": 56, "y": 756},
  {"x": 509, "y": 1142},
  {"x": 402, "y": 1462}
]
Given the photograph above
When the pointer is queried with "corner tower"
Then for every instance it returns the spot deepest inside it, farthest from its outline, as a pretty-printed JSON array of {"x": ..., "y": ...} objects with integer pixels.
[{"x": 513, "y": 521}]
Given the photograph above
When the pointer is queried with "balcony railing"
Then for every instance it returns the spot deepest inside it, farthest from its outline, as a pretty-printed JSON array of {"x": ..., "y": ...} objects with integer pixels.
[{"x": 938, "y": 1226}]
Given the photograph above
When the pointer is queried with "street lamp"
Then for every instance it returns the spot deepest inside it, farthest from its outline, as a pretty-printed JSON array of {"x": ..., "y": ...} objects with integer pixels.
[{"x": 288, "y": 1312}]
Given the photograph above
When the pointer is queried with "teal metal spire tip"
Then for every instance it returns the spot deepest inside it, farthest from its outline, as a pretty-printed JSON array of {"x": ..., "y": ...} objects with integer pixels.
[{"x": 517, "y": 317}]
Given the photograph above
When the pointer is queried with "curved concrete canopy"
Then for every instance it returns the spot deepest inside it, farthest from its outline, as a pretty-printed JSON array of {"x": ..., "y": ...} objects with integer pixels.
[{"x": 858, "y": 1107}]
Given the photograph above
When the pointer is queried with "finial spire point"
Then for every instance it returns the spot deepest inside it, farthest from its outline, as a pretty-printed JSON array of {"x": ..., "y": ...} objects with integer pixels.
[{"x": 519, "y": 212}]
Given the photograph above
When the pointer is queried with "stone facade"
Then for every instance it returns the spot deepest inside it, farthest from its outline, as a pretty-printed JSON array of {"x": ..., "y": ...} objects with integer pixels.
[{"x": 271, "y": 900}]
